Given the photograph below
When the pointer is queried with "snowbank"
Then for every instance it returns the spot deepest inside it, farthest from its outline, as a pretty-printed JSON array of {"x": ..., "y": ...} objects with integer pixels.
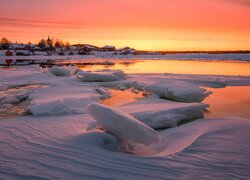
[
  {"x": 122, "y": 125},
  {"x": 3, "y": 87}
]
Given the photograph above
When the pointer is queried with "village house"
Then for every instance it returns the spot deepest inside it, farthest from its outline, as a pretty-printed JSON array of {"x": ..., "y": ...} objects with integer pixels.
[
  {"x": 108, "y": 48},
  {"x": 61, "y": 53},
  {"x": 85, "y": 50},
  {"x": 70, "y": 53},
  {"x": 22, "y": 51},
  {"x": 126, "y": 51}
]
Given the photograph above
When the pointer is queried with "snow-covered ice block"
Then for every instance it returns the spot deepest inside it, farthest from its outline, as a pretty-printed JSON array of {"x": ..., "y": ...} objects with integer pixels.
[
  {"x": 12, "y": 99},
  {"x": 178, "y": 91},
  {"x": 48, "y": 108},
  {"x": 99, "y": 77},
  {"x": 103, "y": 92},
  {"x": 120, "y": 74},
  {"x": 158, "y": 113},
  {"x": 62, "y": 71},
  {"x": 122, "y": 125}
]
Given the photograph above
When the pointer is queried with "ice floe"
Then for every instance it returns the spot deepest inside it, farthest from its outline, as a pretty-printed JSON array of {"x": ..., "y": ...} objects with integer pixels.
[
  {"x": 63, "y": 145},
  {"x": 62, "y": 71},
  {"x": 101, "y": 76},
  {"x": 176, "y": 90},
  {"x": 158, "y": 113}
]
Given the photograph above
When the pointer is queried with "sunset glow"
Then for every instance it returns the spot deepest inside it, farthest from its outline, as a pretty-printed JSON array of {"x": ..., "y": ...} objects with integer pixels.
[{"x": 142, "y": 24}]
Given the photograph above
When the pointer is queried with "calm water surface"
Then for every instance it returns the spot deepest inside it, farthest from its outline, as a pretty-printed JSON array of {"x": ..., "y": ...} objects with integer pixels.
[
  {"x": 233, "y": 68},
  {"x": 232, "y": 101},
  {"x": 224, "y": 102}
]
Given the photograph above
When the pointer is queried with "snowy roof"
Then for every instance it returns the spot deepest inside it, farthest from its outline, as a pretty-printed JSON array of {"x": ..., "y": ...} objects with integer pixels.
[
  {"x": 22, "y": 51},
  {"x": 108, "y": 46}
]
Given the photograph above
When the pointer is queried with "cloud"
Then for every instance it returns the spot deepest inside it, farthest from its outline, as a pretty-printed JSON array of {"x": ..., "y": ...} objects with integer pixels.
[
  {"x": 242, "y": 2},
  {"x": 39, "y": 23}
]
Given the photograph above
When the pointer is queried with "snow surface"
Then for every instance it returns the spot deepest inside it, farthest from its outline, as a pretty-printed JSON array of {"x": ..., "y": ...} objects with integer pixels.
[{"x": 56, "y": 142}]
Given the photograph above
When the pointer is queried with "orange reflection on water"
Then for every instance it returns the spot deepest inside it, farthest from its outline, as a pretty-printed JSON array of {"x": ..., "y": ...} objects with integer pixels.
[
  {"x": 229, "y": 101},
  {"x": 121, "y": 97},
  {"x": 232, "y": 101},
  {"x": 180, "y": 67}
]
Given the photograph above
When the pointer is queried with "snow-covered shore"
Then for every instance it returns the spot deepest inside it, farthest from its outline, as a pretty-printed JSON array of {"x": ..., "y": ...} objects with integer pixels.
[
  {"x": 59, "y": 139},
  {"x": 108, "y": 55}
]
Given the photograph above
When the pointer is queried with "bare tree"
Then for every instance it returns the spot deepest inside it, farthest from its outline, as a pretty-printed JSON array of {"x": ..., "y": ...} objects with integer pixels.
[
  {"x": 67, "y": 45},
  {"x": 58, "y": 43},
  {"x": 42, "y": 44},
  {"x": 4, "y": 43}
]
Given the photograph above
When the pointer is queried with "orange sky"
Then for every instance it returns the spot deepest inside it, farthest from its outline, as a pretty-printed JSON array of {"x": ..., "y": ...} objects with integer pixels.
[{"x": 143, "y": 24}]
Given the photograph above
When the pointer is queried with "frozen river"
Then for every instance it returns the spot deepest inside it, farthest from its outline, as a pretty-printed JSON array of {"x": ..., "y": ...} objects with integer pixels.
[{"x": 63, "y": 130}]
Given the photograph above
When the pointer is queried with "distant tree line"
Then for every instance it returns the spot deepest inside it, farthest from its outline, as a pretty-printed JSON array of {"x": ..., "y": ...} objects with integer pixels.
[{"x": 43, "y": 43}]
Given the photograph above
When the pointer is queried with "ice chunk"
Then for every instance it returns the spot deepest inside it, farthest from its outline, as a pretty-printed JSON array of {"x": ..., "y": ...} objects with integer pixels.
[
  {"x": 10, "y": 99},
  {"x": 103, "y": 92},
  {"x": 178, "y": 91},
  {"x": 62, "y": 71},
  {"x": 98, "y": 77},
  {"x": 122, "y": 125},
  {"x": 158, "y": 113},
  {"x": 61, "y": 106},
  {"x": 54, "y": 107},
  {"x": 120, "y": 74},
  {"x": 172, "y": 116}
]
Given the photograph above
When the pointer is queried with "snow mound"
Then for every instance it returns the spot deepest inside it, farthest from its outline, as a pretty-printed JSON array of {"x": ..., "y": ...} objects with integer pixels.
[
  {"x": 54, "y": 107},
  {"x": 57, "y": 107},
  {"x": 178, "y": 91},
  {"x": 3, "y": 87},
  {"x": 122, "y": 125},
  {"x": 62, "y": 71},
  {"x": 101, "y": 76}
]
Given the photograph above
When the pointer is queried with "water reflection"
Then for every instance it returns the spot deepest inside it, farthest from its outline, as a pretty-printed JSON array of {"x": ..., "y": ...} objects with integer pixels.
[
  {"x": 224, "y": 102},
  {"x": 229, "y": 102},
  {"x": 177, "y": 67},
  {"x": 122, "y": 97}
]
